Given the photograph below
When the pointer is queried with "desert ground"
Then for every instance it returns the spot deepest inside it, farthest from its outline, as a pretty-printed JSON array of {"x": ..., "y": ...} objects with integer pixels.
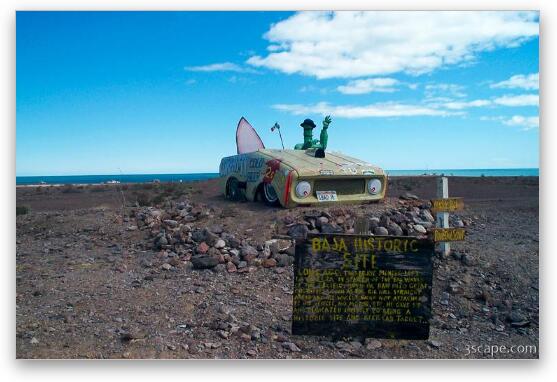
[{"x": 176, "y": 271}]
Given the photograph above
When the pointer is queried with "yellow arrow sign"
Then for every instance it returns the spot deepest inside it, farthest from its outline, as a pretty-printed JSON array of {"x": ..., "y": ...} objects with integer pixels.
[
  {"x": 449, "y": 234},
  {"x": 447, "y": 205}
]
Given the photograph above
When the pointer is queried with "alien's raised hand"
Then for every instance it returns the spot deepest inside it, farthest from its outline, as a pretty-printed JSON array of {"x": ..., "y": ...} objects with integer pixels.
[{"x": 326, "y": 121}]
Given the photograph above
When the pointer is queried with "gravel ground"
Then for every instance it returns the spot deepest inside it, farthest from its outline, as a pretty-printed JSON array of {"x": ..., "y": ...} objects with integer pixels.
[{"x": 95, "y": 280}]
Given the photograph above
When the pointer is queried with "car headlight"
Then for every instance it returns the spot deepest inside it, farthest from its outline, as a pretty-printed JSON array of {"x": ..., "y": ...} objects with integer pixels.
[
  {"x": 303, "y": 189},
  {"x": 374, "y": 186}
]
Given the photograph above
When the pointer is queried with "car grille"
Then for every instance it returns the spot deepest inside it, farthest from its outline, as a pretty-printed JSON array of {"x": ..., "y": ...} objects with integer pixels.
[{"x": 341, "y": 186}]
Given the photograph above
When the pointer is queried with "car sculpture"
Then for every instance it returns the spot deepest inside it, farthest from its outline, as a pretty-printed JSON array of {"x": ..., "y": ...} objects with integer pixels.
[{"x": 306, "y": 175}]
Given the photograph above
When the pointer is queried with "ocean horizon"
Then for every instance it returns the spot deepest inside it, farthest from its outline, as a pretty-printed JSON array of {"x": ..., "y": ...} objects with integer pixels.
[{"x": 145, "y": 178}]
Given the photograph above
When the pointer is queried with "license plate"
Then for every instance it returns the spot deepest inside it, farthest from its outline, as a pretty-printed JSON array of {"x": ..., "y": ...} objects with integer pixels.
[{"x": 326, "y": 196}]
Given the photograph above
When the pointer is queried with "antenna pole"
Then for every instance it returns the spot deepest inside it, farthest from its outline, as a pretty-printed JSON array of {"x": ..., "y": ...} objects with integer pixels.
[{"x": 277, "y": 126}]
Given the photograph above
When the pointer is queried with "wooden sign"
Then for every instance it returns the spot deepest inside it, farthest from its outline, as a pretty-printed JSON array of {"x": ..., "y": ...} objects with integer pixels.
[
  {"x": 447, "y": 204},
  {"x": 449, "y": 234},
  {"x": 361, "y": 285}
]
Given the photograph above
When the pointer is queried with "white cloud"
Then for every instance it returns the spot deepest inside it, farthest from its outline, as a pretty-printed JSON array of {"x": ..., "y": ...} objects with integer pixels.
[
  {"x": 441, "y": 107},
  {"x": 518, "y": 100},
  {"x": 359, "y": 44},
  {"x": 506, "y": 100},
  {"x": 520, "y": 81},
  {"x": 220, "y": 67},
  {"x": 527, "y": 123},
  {"x": 369, "y": 85},
  {"x": 389, "y": 109},
  {"x": 445, "y": 90},
  {"x": 465, "y": 105}
]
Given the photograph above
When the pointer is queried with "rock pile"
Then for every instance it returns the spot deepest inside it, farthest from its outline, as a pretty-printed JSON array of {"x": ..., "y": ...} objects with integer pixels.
[
  {"x": 407, "y": 220},
  {"x": 183, "y": 241},
  {"x": 185, "y": 238}
]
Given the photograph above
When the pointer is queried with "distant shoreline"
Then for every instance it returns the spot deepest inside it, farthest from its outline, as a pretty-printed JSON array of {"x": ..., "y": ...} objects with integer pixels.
[{"x": 82, "y": 180}]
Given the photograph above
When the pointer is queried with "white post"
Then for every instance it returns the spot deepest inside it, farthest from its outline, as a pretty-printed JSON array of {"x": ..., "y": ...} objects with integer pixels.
[{"x": 443, "y": 217}]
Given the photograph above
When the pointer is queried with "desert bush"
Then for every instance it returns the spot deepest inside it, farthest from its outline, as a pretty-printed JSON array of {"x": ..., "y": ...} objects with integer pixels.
[
  {"x": 142, "y": 198},
  {"x": 158, "y": 199}
]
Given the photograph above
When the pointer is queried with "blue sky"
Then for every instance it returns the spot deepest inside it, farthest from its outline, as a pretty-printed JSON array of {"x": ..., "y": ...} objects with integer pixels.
[{"x": 162, "y": 92}]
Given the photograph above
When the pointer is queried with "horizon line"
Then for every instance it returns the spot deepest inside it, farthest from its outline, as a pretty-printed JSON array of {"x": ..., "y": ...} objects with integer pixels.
[{"x": 204, "y": 172}]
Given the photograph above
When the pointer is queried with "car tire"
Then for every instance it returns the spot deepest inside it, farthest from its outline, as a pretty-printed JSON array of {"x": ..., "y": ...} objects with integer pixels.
[
  {"x": 269, "y": 194},
  {"x": 233, "y": 190}
]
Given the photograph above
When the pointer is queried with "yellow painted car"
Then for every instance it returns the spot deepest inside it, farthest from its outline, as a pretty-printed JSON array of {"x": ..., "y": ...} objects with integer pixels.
[{"x": 300, "y": 177}]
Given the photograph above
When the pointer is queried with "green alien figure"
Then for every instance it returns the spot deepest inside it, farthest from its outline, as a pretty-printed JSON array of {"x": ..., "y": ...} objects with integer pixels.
[{"x": 309, "y": 142}]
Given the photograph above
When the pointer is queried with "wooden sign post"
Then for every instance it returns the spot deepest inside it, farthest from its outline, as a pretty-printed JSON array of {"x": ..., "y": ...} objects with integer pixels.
[
  {"x": 443, "y": 217},
  {"x": 443, "y": 234}
]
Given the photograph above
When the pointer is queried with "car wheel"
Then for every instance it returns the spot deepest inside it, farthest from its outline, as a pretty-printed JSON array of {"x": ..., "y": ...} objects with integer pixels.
[
  {"x": 270, "y": 195},
  {"x": 233, "y": 190}
]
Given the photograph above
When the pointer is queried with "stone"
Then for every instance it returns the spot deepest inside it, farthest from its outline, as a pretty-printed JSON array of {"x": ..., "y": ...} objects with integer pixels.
[
  {"x": 427, "y": 216},
  {"x": 166, "y": 266},
  {"x": 373, "y": 222},
  {"x": 420, "y": 229},
  {"x": 220, "y": 244},
  {"x": 330, "y": 229},
  {"x": 188, "y": 266},
  {"x": 467, "y": 260},
  {"x": 248, "y": 253},
  {"x": 204, "y": 262},
  {"x": 161, "y": 241},
  {"x": 288, "y": 219},
  {"x": 445, "y": 298},
  {"x": 170, "y": 223},
  {"x": 291, "y": 346},
  {"x": 394, "y": 229},
  {"x": 321, "y": 220},
  {"x": 381, "y": 231},
  {"x": 242, "y": 264},
  {"x": 372, "y": 344},
  {"x": 215, "y": 228},
  {"x": 233, "y": 241},
  {"x": 298, "y": 231},
  {"x": 409, "y": 196},
  {"x": 283, "y": 260},
  {"x": 175, "y": 262},
  {"x": 230, "y": 267},
  {"x": 458, "y": 223},
  {"x": 399, "y": 218},
  {"x": 202, "y": 248},
  {"x": 269, "y": 263},
  {"x": 271, "y": 247},
  {"x": 281, "y": 338},
  {"x": 384, "y": 221},
  {"x": 220, "y": 268},
  {"x": 198, "y": 235},
  {"x": 433, "y": 343},
  {"x": 517, "y": 319},
  {"x": 210, "y": 238}
]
